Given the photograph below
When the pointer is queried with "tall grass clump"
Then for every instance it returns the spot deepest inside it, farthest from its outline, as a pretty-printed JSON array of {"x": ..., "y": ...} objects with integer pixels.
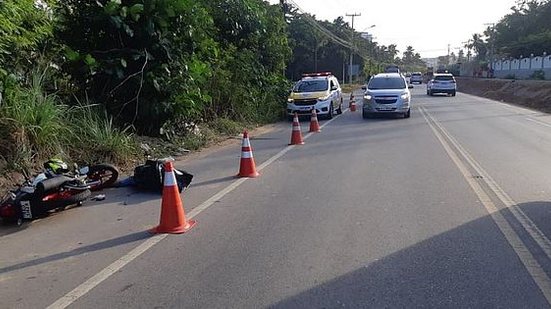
[
  {"x": 226, "y": 126},
  {"x": 95, "y": 138},
  {"x": 32, "y": 123}
]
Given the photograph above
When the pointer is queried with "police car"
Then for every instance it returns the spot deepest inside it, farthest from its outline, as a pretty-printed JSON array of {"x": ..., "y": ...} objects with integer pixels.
[{"x": 320, "y": 91}]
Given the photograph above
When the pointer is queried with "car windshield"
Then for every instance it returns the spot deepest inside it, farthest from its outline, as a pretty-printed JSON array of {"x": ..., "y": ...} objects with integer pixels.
[
  {"x": 386, "y": 83},
  {"x": 443, "y": 77},
  {"x": 311, "y": 85}
]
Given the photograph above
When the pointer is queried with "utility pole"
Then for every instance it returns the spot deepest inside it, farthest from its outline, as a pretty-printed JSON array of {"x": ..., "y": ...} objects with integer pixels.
[
  {"x": 352, "y": 45},
  {"x": 448, "y": 58}
]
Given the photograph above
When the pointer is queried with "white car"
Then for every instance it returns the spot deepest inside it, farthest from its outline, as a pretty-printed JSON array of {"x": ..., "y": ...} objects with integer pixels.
[
  {"x": 442, "y": 83},
  {"x": 319, "y": 91},
  {"x": 416, "y": 77}
]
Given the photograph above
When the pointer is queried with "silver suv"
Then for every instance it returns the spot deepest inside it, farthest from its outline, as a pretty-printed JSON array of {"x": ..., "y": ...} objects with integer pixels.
[
  {"x": 442, "y": 83},
  {"x": 387, "y": 93},
  {"x": 416, "y": 77}
]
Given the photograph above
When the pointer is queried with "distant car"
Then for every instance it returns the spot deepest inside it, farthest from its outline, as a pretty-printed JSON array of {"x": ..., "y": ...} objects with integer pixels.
[
  {"x": 320, "y": 91},
  {"x": 392, "y": 69},
  {"x": 387, "y": 93},
  {"x": 416, "y": 77},
  {"x": 442, "y": 83}
]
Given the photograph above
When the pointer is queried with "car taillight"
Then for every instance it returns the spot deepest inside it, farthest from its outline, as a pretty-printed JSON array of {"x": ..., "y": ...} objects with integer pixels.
[{"x": 7, "y": 211}]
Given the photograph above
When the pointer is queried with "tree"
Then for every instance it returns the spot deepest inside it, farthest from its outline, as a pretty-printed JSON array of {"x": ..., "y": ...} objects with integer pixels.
[
  {"x": 526, "y": 30},
  {"x": 452, "y": 58},
  {"x": 25, "y": 30},
  {"x": 248, "y": 82},
  {"x": 411, "y": 61},
  {"x": 478, "y": 45},
  {"x": 461, "y": 56}
]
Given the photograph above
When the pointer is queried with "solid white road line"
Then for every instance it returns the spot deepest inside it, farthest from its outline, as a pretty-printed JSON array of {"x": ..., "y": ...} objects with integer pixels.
[
  {"x": 535, "y": 270},
  {"x": 539, "y": 122},
  {"x": 525, "y": 221},
  {"x": 114, "y": 267}
]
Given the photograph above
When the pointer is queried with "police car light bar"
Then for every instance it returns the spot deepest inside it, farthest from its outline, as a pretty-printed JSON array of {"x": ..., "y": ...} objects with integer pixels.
[{"x": 316, "y": 74}]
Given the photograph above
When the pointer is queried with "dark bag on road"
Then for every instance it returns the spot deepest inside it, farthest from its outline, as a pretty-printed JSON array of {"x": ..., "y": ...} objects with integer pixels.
[{"x": 150, "y": 176}]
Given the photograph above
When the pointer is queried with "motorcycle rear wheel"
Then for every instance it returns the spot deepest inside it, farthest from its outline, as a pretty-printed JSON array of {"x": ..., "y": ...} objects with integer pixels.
[{"x": 107, "y": 174}]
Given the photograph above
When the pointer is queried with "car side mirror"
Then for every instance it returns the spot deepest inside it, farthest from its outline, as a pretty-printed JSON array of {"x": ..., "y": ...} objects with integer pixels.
[
  {"x": 364, "y": 88},
  {"x": 410, "y": 86},
  {"x": 334, "y": 88}
]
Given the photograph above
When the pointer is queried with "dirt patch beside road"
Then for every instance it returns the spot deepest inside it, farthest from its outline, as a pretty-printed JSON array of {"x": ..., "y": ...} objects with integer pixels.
[{"x": 533, "y": 94}]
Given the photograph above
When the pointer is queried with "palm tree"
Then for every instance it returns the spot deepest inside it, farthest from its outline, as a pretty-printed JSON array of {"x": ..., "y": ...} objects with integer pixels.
[{"x": 478, "y": 45}]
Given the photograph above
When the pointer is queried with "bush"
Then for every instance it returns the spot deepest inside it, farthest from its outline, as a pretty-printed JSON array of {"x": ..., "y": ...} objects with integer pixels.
[
  {"x": 226, "y": 126},
  {"x": 538, "y": 75},
  {"x": 510, "y": 76},
  {"x": 94, "y": 138},
  {"x": 33, "y": 125},
  {"x": 36, "y": 125}
]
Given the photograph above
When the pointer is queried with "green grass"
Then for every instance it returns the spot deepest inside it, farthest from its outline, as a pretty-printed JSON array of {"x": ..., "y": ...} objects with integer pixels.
[
  {"x": 226, "y": 126},
  {"x": 36, "y": 125},
  {"x": 32, "y": 124},
  {"x": 95, "y": 138}
]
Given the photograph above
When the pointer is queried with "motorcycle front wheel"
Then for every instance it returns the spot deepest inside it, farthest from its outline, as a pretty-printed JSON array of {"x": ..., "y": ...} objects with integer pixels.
[{"x": 73, "y": 199}]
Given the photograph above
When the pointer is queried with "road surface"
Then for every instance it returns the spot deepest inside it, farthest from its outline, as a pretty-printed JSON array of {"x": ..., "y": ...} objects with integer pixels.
[{"x": 449, "y": 208}]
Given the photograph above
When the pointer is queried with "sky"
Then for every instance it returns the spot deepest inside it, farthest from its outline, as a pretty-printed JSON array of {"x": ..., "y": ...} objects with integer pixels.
[{"x": 427, "y": 25}]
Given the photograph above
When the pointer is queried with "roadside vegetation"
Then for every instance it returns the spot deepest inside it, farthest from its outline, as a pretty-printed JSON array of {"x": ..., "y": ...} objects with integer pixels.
[
  {"x": 524, "y": 31},
  {"x": 91, "y": 80},
  {"x": 88, "y": 81}
]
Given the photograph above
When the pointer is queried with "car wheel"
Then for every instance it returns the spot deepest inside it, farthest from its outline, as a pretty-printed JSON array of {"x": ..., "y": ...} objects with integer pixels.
[
  {"x": 330, "y": 114},
  {"x": 407, "y": 114},
  {"x": 431, "y": 93},
  {"x": 428, "y": 92},
  {"x": 453, "y": 94},
  {"x": 339, "y": 110},
  {"x": 365, "y": 115}
]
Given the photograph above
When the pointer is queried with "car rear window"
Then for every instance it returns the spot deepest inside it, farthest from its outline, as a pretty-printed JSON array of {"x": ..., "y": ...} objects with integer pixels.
[
  {"x": 443, "y": 77},
  {"x": 386, "y": 83},
  {"x": 416, "y": 74},
  {"x": 311, "y": 85}
]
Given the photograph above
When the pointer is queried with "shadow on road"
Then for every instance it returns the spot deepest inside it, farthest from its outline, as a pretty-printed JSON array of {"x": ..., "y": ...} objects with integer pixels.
[
  {"x": 124, "y": 196},
  {"x": 78, "y": 251},
  {"x": 213, "y": 181},
  {"x": 471, "y": 266}
]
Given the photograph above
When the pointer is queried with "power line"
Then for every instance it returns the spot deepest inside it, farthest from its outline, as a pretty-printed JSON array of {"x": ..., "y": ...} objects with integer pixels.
[
  {"x": 320, "y": 28},
  {"x": 336, "y": 39}
]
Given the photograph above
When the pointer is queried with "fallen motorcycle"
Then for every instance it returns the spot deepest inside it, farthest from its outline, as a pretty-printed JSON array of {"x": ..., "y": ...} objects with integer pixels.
[
  {"x": 98, "y": 176},
  {"x": 33, "y": 200}
]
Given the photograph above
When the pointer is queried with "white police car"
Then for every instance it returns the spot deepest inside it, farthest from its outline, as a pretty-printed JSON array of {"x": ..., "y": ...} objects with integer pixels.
[{"x": 320, "y": 91}]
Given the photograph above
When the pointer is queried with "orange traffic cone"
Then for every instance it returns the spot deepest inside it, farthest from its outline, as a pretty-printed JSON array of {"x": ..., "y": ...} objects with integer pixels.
[
  {"x": 247, "y": 168},
  {"x": 314, "y": 124},
  {"x": 173, "y": 217},
  {"x": 296, "y": 135},
  {"x": 352, "y": 105}
]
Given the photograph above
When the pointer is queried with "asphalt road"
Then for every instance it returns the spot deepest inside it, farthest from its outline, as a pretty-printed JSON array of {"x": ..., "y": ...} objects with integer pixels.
[{"x": 447, "y": 209}]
